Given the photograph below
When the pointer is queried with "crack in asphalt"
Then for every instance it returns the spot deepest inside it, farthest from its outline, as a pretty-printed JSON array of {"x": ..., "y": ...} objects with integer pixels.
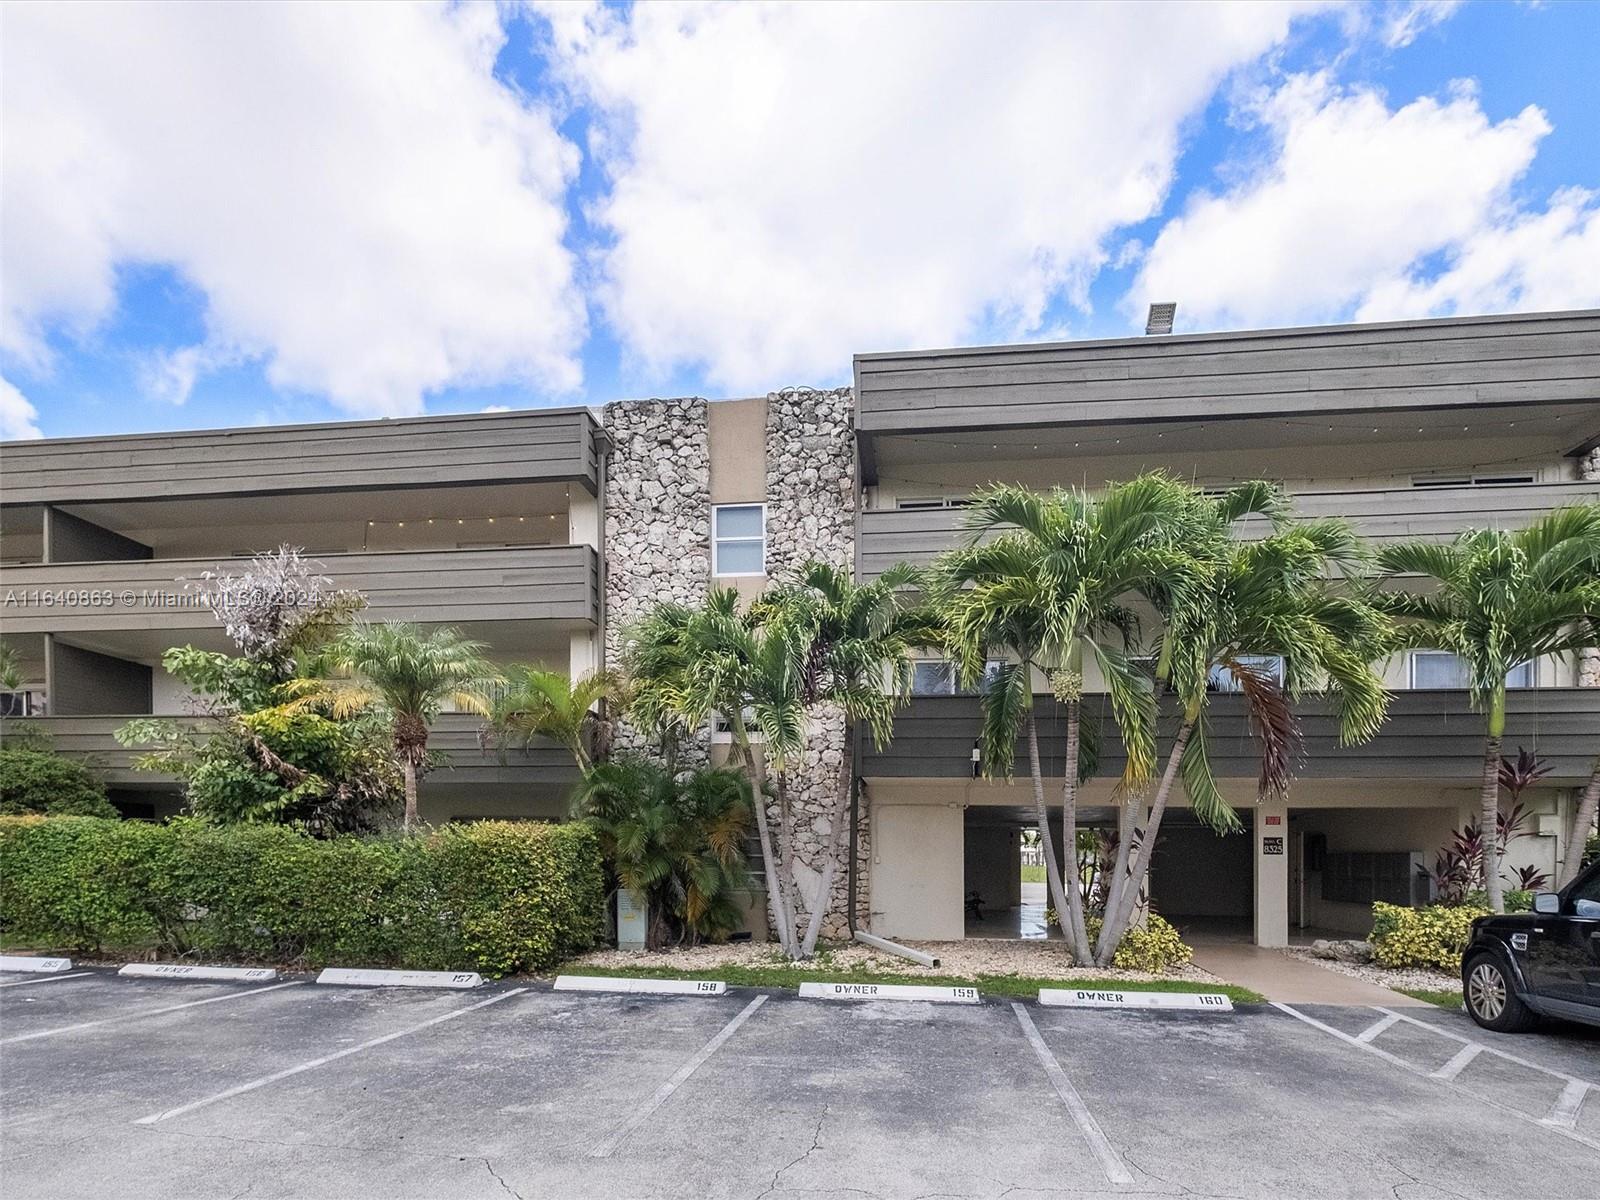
[
  {"x": 816, "y": 1143},
  {"x": 489, "y": 1167}
]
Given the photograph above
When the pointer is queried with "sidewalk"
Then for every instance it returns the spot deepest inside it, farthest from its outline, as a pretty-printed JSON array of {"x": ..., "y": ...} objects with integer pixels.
[{"x": 1279, "y": 977}]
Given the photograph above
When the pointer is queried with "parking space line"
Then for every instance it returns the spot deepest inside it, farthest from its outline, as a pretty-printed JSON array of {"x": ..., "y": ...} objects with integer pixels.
[
  {"x": 1505, "y": 1054},
  {"x": 1565, "y": 1110},
  {"x": 1459, "y": 1063},
  {"x": 252, "y": 1085},
  {"x": 1110, "y": 1161},
  {"x": 1477, "y": 1097},
  {"x": 664, "y": 1092},
  {"x": 144, "y": 1012},
  {"x": 46, "y": 979},
  {"x": 1372, "y": 1031}
]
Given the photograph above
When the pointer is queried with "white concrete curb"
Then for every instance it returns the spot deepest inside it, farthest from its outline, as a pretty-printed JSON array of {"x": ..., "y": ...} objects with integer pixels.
[
  {"x": 888, "y": 991},
  {"x": 185, "y": 971},
  {"x": 663, "y": 987},
  {"x": 24, "y": 962},
  {"x": 351, "y": 977},
  {"x": 1190, "y": 1001}
]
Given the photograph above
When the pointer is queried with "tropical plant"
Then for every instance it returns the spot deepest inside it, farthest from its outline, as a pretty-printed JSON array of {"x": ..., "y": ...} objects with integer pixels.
[
  {"x": 1497, "y": 599},
  {"x": 851, "y": 647},
  {"x": 1226, "y": 603},
  {"x": 410, "y": 673},
  {"x": 575, "y": 712},
  {"x": 1046, "y": 580},
  {"x": 11, "y": 676},
  {"x": 37, "y": 781},
  {"x": 260, "y": 749},
  {"x": 690, "y": 666},
  {"x": 675, "y": 841}
]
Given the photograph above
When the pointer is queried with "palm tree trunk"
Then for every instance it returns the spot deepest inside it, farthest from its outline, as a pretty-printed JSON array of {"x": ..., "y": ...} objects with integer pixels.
[
  {"x": 1052, "y": 870},
  {"x": 1078, "y": 941},
  {"x": 1127, "y": 821},
  {"x": 1489, "y": 819},
  {"x": 409, "y": 769},
  {"x": 777, "y": 900},
  {"x": 1119, "y": 915},
  {"x": 786, "y": 840},
  {"x": 1582, "y": 822},
  {"x": 830, "y": 858}
]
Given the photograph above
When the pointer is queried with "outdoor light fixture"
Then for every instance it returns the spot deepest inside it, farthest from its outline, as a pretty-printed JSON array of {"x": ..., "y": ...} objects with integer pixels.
[
  {"x": 1160, "y": 318},
  {"x": 977, "y": 759}
]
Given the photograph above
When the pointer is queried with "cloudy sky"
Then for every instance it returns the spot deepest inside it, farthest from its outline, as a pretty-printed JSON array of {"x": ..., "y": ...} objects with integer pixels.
[{"x": 228, "y": 214}]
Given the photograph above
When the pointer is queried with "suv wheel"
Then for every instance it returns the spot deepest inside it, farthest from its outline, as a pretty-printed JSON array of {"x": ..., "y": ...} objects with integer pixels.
[{"x": 1491, "y": 1001}]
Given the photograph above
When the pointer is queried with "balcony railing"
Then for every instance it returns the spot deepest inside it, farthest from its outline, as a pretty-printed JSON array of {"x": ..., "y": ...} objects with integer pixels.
[
  {"x": 93, "y": 740},
  {"x": 1382, "y": 515},
  {"x": 502, "y": 584},
  {"x": 1432, "y": 735}
]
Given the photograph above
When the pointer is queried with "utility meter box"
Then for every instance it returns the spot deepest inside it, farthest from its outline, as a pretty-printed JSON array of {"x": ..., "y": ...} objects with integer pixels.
[{"x": 632, "y": 921}]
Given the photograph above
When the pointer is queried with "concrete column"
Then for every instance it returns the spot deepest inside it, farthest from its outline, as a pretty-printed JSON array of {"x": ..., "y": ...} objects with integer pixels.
[
  {"x": 583, "y": 654},
  {"x": 1589, "y": 660},
  {"x": 1272, "y": 873},
  {"x": 583, "y": 519}
]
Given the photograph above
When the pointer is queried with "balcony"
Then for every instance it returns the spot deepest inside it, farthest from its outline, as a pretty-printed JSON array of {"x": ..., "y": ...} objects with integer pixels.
[
  {"x": 93, "y": 740},
  {"x": 475, "y": 448},
  {"x": 1431, "y": 735},
  {"x": 546, "y": 583},
  {"x": 888, "y": 536}
]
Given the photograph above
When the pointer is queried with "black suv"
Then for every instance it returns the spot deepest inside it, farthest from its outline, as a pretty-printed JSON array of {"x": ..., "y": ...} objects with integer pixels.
[{"x": 1523, "y": 966}]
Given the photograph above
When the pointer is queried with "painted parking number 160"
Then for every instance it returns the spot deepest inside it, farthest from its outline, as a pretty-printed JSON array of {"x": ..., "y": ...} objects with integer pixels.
[{"x": 1211, "y": 1000}]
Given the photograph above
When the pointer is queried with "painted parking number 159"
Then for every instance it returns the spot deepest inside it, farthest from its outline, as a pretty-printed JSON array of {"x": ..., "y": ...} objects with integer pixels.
[{"x": 965, "y": 993}]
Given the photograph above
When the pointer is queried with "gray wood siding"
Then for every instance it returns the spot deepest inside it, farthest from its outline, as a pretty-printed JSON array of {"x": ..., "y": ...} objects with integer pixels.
[
  {"x": 1432, "y": 735},
  {"x": 513, "y": 584},
  {"x": 888, "y": 536},
  {"x": 1532, "y": 358},
  {"x": 93, "y": 740},
  {"x": 559, "y": 444}
]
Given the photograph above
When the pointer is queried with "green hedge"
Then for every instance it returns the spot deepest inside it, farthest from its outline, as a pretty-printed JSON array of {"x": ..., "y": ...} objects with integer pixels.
[
  {"x": 1422, "y": 937},
  {"x": 494, "y": 897}
]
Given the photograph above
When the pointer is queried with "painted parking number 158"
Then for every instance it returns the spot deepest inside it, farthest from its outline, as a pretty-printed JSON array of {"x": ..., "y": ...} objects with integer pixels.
[{"x": 705, "y": 986}]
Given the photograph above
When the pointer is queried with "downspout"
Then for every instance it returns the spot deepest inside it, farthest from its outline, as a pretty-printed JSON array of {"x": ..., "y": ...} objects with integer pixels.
[{"x": 856, "y": 784}]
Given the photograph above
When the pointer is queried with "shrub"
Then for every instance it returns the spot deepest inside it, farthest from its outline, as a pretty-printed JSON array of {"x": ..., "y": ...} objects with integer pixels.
[
  {"x": 1422, "y": 937},
  {"x": 493, "y": 897},
  {"x": 36, "y": 781},
  {"x": 1154, "y": 947}
]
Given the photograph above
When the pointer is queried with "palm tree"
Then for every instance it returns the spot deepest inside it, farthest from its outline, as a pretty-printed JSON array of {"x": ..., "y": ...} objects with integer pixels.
[
  {"x": 1235, "y": 601},
  {"x": 540, "y": 703},
  {"x": 1052, "y": 587},
  {"x": 851, "y": 646},
  {"x": 1497, "y": 600},
  {"x": 676, "y": 841},
  {"x": 413, "y": 673},
  {"x": 11, "y": 678},
  {"x": 689, "y": 664}
]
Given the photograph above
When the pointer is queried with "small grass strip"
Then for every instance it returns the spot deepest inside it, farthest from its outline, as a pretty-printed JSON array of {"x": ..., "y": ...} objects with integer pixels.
[
  {"x": 1016, "y": 986},
  {"x": 1450, "y": 999}
]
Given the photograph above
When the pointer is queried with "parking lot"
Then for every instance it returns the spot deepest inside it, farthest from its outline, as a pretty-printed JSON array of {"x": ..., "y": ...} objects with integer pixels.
[{"x": 142, "y": 1088}]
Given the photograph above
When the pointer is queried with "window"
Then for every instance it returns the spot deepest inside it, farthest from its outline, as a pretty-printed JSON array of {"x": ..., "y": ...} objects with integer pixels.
[
  {"x": 1490, "y": 479},
  {"x": 921, "y": 503},
  {"x": 937, "y": 677},
  {"x": 1223, "y": 680},
  {"x": 1441, "y": 669},
  {"x": 722, "y": 728},
  {"x": 739, "y": 539}
]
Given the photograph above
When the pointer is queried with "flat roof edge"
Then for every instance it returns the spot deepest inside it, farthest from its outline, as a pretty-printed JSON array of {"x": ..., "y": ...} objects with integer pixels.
[{"x": 1351, "y": 329}]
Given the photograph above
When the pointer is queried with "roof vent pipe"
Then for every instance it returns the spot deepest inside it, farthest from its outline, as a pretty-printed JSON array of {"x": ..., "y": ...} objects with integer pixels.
[{"x": 1160, "y": 318}]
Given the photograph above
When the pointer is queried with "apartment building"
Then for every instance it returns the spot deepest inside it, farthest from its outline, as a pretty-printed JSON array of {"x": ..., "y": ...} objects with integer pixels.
[
  {"x": 490, "y": 522},
  {"x": 1412, "y": 431},
  {"x": 545, "y": 533}
]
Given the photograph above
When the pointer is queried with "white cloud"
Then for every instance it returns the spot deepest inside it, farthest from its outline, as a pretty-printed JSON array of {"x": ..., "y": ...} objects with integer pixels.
[
  {"x": 359, "y": 200},
  {"x": 1406, "y": 20},
  {"x": 1358, "y": 205},
  {"x": 18, "y": 418},
  {"x": 795, "y": 182},
  {"x": 494, "y": 408}
]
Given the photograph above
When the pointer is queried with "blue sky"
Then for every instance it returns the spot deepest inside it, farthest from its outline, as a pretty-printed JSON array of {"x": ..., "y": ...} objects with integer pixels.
[{"x": 300, "y": 215}]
